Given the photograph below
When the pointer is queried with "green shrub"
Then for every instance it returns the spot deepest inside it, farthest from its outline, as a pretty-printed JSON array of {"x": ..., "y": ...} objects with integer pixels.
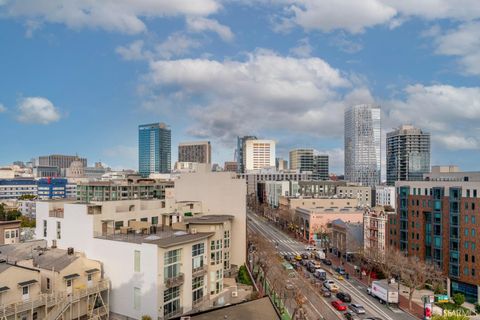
[
  {"x": 477, "y": 308},
  {"x": 458, "y": 299},
  {"x": 146, "y": 318},
  {"x": 243, "y": 276}
]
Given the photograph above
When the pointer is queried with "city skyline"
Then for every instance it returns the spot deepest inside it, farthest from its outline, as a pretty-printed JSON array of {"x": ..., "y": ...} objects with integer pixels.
[{"x": 64, "y": 75}]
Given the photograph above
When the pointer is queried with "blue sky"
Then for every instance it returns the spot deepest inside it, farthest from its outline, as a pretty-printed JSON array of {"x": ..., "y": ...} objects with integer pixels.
[{"x": 80, "y": 76}]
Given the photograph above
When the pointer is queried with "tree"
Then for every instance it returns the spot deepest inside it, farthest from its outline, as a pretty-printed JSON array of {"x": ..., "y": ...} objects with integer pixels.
[{"x": 458, "y": 299}]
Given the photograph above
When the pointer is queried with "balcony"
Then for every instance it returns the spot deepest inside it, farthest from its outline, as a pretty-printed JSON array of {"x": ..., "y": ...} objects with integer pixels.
[
  {"x": 175, "y": 281},
  {"x": 197, "y": 303},
  {"x": 200, "y": 271},
  {"x": 174, "y": 314},
  {"x": 56, "y": 213}
]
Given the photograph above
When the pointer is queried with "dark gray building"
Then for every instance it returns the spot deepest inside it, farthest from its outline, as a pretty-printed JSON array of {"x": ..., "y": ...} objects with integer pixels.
[
  {"x": 320, "y": 167},
  {"x": 408, "y": 154},
  {"x": 198, "y": 151}
]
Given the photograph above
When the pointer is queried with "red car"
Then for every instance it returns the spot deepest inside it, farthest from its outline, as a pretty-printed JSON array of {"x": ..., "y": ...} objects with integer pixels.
[{"x": 339, "y": 305}]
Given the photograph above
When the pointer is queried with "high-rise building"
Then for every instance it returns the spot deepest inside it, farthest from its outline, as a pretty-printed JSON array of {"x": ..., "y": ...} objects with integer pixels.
[
  {"x": 301, "y": 159},
  {"x": 362, "y": 144},
  {"x": 320, "y": 167},
  {"x": 60, "y": 161},
  {"x": 239, "y": 152},
  {"x": 198, "y": 151},
  {"x": 281, "y": 164},
  {"x": 154, "y": 148},
  {"x": 259, "y": 154},
  {"x": 408, "y": 154}
]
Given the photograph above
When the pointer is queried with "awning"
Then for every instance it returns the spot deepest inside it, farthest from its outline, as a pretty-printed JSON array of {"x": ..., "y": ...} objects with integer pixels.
[
  {"x": 71, "y": 276},
  {"x": 3, "y": 289},
  {"x": 89, "y": 271},
  {"x": 27, "y": 283}
]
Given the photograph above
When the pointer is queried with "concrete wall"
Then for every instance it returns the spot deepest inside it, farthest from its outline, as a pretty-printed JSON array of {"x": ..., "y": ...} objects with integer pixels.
[{"x": 220, "y": 193}]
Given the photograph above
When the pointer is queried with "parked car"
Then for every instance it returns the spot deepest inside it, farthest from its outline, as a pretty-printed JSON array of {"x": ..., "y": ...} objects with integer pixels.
[
  {"x": 339, "y": 305},
  {"x": 304, "y": 262},
  {"x": 305, "y": 256},
  {"x": 296, "y": 266},
  {"x": 325, "y": 292},
  {"x": 288, "y": 257},
  {"x": 357, "y": 308},
  {"x": 309, "y": 248},
  {"x": 328, "y": 262},
  {"x": 339, "y": 277},
  {"x": 351, "y": 316},
  {"x": 298, "y": 257},
  {"x": 345, "y": 297}
]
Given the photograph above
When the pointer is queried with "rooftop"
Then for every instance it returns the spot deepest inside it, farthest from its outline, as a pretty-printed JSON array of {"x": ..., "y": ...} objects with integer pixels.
[
  {"x": 53, "y": 259},
  {"x": 209, "y": 219},
  {"x": 10, "y": 222},
  {"x": 256, "y": 309},
  {"x": 163, "y": 239},
  {"x": 20, "y": 251}
]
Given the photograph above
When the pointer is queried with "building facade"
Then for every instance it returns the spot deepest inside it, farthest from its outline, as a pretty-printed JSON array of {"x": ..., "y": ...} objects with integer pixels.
[
  {"x": 408, "y": 154},
  {"x": 320, "y": 167},
  {"x": 200, "y": 152},
  {"x": 375, "y": 230},
  {"x": 154, "y": 148},
  {"x": 363, "y": 194},
  {"x": 259, "y": 154},
  {"x": 52, "y": 188},
  {"x": 362, "y": 145},
  {"x": 385, "y": 196},
  {"x": 239, "y": 152},
  {"x": 301, "y": 159},
  {"x": 60, "y": 161},
  {"x": 436, "y": 221},
  {"x": 346, "y": 237},
  {"x": 231, "y": 166},
  {"x": 281, "y": 164},
  {"x": 15, "y": 188}
]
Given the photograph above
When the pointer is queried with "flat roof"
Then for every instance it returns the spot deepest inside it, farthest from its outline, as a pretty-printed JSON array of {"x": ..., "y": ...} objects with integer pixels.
[
  {"x": 180, "y": 239},
  {"x": 53, "y": 259},
  {"x": 209, "y": 219},
  {"x": 256, "y": 309},
  {"x": 20, "y": 251}
]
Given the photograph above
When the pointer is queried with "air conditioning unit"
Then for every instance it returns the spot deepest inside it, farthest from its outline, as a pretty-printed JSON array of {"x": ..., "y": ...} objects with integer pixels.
[{"x": 234, "y": 294}]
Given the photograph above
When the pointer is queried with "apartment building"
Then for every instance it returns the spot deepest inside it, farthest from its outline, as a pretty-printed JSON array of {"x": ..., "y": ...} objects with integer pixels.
[
  {"x": 164, "y": 257},
  {"x": 385, "y": 196},
  {"x": 376, "y": 228},
  {"x": 436, "y": 221},
  {"x": 198, "y": 151},
  {"x": 9, "y": 231},
  {"x": 259, "y": 154},
  {"x": 311, "y": 223},
  {"x": 15, "y": 188},
  {"x": 253, "y": 178},
  {"x": 39, "y": 282},
  {"x": 363, "y": 194},
  {"x": 127, "y": 189}
]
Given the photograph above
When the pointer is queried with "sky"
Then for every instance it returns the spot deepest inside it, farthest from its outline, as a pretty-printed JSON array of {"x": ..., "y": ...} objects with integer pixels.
[{"x": 78, "y": 77}]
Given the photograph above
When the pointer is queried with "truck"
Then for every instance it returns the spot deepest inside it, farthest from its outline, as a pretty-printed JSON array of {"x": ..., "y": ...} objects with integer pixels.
[
  {"x": 319, "y": 255},
  {"x": 386, "y": 292}
]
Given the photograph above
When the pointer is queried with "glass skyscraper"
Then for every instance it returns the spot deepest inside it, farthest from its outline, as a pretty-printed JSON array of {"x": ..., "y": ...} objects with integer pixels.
[
  {"x": 362, "y": 145},
  {"x": 154, "y": 148},
  {"x": 408, "y": 154}
]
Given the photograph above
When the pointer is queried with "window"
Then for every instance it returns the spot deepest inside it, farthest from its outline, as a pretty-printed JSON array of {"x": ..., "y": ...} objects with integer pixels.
[
  {"x": 465, "y": 271},
  {"x": 48, "y": 283},
  {"x": 154, "y": 220},
  {"x": 59, "y": 230},
  {"x": 226, "y": 239},
  {"x": 466, "y": 232},
  {"x": 136, "y": 261},
  {"x": 472, "y": 244},
  {"x": 473, "y": 272},
  {"x": 171, "y": 299},
  {"x": 44, "y": 228},
  {"x": 473, "y": 232},
  {"x": 466, "y": 257},
  {"x": 197, "y": 255},
  {"x": 197, "y": 288},
  {"x": 144, "y": 219},
  {"x": 136, "y": 298},
  {"x": 473, "y": 259},
  {"x": 473, "y": 219},
  {"x": 25, "y": 290},
  {"x": 465, "y": 244},
  {"x": 466, "y": 219},
  {"x": 226, "y": 260},
  {"x": 118, "y": 225},
  {"x": 89, "y": 277},
  {"x": 69, "y": 283},
  {"x": 215, "y": 252},
  {"x": 7, "y": 234},
  {"x": 172, "y": 263},
  {"x": 473, "y": 205}
]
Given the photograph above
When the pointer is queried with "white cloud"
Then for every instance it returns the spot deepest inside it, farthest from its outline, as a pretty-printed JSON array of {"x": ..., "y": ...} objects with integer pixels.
[
  {"x": 124, "y": 16},
  {"x": 37, "y": 110},
  {"x": 303, "y": 50},
  {"x": 238, "y": 97},
  {"x": 175, "y": 45},
  {"x": 450, "y": 113},
  {"x": 463, "y": 42},
  {"x": 2, "y": 108},
  {"x": 134, "y": 51},
  {"x": 200, "y": 24}
]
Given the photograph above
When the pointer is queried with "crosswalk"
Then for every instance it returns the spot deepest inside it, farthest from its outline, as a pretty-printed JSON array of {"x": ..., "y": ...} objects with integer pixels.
[
  {"x": 290, "y": 241},
  {"x": 290, "y": 253}
]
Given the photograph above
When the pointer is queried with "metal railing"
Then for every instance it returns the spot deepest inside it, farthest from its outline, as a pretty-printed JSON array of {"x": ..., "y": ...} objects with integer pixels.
[
  {"x": 175, "y": 313},
  {"x": 55, "y": 213},
  {"x": 51, "y": 300},
  {"x": 175, "y": 281},
  {"x": 200, "y": 271}
]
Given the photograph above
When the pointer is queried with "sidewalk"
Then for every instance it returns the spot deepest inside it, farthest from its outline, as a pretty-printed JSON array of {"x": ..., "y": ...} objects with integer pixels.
[{"x": 417, "y": 310}]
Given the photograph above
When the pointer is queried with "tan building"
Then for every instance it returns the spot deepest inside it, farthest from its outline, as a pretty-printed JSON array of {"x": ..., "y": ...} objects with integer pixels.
[
  {"x": 292, "y": 203},
  {"x": 346, "y": 237},
  {"x": 375, "y": 229},
  {"x": 37, "y": 282},
  {"x": 9, "y": 232},
  {"x": 259, "y": 154},
  {"x": 313, "y": 222},
  {"x": 198, "y": 151},
  {"x": 363, "y": 194}
]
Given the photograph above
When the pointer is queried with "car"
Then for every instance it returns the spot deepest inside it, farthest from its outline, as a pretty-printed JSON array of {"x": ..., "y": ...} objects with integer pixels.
[
  {"x": 325, "y": 292},
  {"x": 309, "y": 248},
  {"x": 357, "y": 308},
  {"x": 345, "y": 297},
  {"x": 339, "y": 305},
  {"x": 304, "y": 262},
  {"x": 298, "y": 257},
  {"x": 288, "y": 257},
  {"x": 328, "y": 262},
  {"x": 330, "y": 285},
  {"x": 369, "y": 290},
  {"x": 351, "y": 316},
  {"x": 305, "y": 256},
  {"x": 340, "y": 270},
  {"x": 339, "y": 277}
]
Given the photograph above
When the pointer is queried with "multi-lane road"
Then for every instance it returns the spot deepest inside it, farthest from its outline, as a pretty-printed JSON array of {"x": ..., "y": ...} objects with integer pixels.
[{"x": 318, "y": 307}]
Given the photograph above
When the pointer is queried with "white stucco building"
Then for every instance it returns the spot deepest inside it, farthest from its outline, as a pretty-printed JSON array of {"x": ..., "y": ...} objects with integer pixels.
[{"x": 385, "y": 196}]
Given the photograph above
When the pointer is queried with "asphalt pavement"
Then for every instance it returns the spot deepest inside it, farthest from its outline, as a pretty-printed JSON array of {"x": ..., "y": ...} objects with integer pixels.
[{"x": 318, "y": 307}]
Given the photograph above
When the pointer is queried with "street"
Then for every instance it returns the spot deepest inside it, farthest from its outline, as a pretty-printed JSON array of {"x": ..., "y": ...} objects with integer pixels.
[{"x": 318, "y": 307}]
